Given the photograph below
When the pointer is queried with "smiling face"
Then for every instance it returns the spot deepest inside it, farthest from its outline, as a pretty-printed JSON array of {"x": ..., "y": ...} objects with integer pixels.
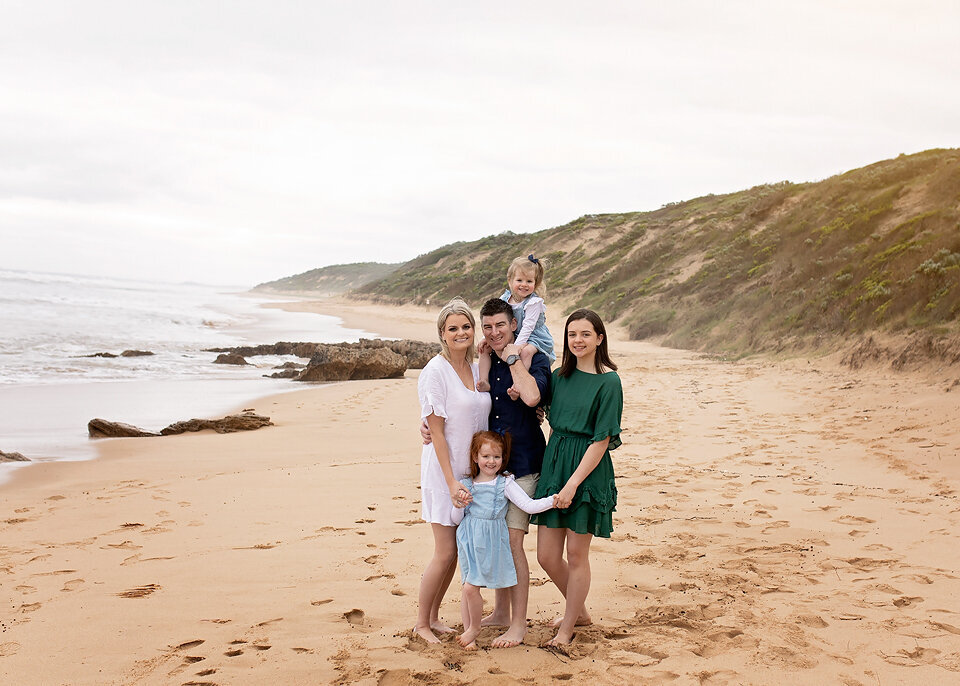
[
  {"x": 522, "y": 283},
  {"x": 489, "y": 459},
  {"x": 457, "y": 333},
  {"x": 498, "y": 330},
  {"x": 582, "y": 341}
]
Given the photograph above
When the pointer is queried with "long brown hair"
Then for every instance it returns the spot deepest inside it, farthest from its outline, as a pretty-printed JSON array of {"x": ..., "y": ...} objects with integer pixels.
[
  {"x": 602, "y": 359},
  {"x": 482, "y": 437}
]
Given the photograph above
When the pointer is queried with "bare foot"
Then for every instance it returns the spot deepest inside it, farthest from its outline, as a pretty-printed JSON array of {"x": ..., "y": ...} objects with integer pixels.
[
  {"x": 512, "y": 637},
  {"x": 495, "y": 619},
  {"x": 561, "y": 640},
  {"x": 582, "y": 620},
  {"x": 440, "y": 627},
  {"x": 468, "y": 639},
  {"x": 425, "y": 633}
]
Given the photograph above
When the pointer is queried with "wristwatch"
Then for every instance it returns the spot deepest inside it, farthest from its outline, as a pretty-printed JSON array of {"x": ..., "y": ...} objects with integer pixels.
[{"x": 512, "y": 359}]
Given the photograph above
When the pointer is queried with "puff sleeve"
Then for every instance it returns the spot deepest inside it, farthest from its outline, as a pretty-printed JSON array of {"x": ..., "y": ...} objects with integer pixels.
[
  {"x": 609, "y": 408},
  {"x": 432, "y": 390}
]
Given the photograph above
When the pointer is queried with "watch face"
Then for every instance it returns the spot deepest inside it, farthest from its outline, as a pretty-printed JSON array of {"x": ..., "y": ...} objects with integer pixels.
[{"x": 511, "y": 359}]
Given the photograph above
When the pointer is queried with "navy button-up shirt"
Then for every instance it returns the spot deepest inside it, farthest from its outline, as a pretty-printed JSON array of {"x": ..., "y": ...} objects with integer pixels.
[{"x": 527, "y": 442}]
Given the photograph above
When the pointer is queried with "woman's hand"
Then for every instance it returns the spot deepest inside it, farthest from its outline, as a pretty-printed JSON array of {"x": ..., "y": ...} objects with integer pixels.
[
  {"x": 562, "y": 500},
  {"x": 459, "y": 495}
]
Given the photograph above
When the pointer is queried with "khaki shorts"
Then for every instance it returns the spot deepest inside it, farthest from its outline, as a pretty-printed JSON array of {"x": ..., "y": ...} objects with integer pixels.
[{"x": 517, "y": 518}]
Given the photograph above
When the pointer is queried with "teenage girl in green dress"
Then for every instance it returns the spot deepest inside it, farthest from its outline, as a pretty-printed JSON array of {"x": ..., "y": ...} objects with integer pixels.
[{"x": 585, "y": 408}]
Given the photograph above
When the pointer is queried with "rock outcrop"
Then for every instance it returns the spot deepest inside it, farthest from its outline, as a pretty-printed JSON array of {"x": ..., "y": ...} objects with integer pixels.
[
  {"x": 102, "y": 428},
  {"x": 245, "y": 421},
  {"x": 333, "y": 363},
  {"x": 13, "y": 457},
  {"x": 248, "y": 420},
  {"x": 417, "y": 353}
]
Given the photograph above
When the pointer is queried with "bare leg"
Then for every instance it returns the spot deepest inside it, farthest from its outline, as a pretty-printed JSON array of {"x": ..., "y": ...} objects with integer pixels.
[
  {"x": 526, "y": 354},
  {"x": 501, "y": 609},
  {"x": 578, "y": 584},
  {"x": 550, "y": 545},
  {"x": 483, "y": 374},
  {"x": 435, "y": 622},
  {"x": 518, "y": 595},
  {"x": 472, "y": 610},
  {"x": 435, "y": 580}
]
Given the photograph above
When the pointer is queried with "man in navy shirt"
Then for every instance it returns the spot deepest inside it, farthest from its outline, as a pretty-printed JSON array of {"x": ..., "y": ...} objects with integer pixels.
[{"x": 515, "y": 394}]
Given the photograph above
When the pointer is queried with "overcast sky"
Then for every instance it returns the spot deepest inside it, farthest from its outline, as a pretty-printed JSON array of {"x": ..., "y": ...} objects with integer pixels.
[{"x": 236, "y": 142}]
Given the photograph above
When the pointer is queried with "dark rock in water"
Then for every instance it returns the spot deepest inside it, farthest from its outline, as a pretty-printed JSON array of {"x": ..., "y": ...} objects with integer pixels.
[
  {"x": 12, "y": 457},
  {"x": 333, "y": 363},
  {"x": 100, "y": 355},
  {"x": 290, "y": 365},
  {"x": 285, "y": 374},
  {"x": 135, "y": 353},
  {"x": 101, "y": 428},
  {"x": 230, "y": 358},
  {"x": 281, "y": 348},
  {"x": 247, "y": 421}
]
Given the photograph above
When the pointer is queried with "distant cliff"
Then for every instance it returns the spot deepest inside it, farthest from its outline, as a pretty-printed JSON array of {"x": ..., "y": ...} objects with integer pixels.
[{"x": 331, "y": 280}]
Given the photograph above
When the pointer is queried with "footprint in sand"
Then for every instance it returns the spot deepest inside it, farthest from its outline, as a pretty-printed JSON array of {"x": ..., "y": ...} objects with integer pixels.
[
  {"x": 321, "y": 602},
  {"x": 355, "y": 617},
  {"x": 23, "y": 588},
  {"x": 9, "y": 648},
  {"x": 140, "y": 591},
  {"x": 72, "y": 585},
  {"x": 30, "y": 607}
]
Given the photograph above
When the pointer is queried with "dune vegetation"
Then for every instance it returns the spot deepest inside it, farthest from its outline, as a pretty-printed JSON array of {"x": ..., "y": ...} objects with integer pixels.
[{"x": 778, "y": 266}]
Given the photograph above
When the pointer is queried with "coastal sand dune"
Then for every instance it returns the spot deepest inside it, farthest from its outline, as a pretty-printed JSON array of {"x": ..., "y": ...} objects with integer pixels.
[{"x": 779, "y": 522}]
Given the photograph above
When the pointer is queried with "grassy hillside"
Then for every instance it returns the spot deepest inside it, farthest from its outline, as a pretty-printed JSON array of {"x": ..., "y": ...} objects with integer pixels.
[
  {"x": 874, "y": 249},
  {"x": 331, "y": 280}
]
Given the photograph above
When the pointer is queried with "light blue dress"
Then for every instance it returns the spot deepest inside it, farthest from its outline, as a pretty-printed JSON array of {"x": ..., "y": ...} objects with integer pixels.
[
  {"x": 536, "y": 333},
  {"x": 483, "y": 543}
]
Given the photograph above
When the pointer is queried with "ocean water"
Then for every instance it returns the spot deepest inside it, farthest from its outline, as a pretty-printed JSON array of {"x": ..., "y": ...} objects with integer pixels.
[{"x": 50, "y": 322}]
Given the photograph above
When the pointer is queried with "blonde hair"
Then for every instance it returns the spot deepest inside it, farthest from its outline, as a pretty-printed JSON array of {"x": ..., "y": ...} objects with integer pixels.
[
  {"x": 528, "y": 265},
  {"x": 455, "y": 306}
]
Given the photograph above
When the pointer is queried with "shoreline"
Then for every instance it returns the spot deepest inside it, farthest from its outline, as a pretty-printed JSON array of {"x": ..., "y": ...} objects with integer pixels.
[{"x": 791, "y": 517}]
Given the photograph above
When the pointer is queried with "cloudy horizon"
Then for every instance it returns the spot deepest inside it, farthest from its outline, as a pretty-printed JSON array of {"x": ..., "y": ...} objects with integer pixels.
[{"x": 241, "y": 142}]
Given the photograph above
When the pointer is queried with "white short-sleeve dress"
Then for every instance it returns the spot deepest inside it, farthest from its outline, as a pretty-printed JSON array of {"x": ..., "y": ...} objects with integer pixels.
[{"x": 465, "y": 412}]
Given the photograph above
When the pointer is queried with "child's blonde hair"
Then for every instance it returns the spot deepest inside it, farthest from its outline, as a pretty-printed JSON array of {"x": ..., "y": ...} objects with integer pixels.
[
  {"x": 479, "y": 440},
  {"x": 528, "y": 265}
]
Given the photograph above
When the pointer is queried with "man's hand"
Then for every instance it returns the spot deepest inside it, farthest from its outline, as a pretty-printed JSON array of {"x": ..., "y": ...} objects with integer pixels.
[
  {"x": 425, "y": 433},
  {"x": 513, "y": 393},
  {"x": 508, "y": 350}
]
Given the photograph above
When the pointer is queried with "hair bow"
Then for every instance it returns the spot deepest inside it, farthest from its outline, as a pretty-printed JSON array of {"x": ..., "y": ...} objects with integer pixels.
[{"x": 533, "y": 259}]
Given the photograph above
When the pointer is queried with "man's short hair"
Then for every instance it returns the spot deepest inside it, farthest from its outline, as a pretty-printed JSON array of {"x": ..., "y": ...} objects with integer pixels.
[{"x": 496, "y": 306}]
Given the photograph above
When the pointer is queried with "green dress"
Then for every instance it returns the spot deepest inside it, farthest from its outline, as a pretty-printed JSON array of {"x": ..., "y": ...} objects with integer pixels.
[{"x": 584, "y": 408}]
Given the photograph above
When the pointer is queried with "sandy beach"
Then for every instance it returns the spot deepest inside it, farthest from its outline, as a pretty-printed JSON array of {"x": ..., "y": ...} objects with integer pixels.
[{"x": 780, "y": 522}]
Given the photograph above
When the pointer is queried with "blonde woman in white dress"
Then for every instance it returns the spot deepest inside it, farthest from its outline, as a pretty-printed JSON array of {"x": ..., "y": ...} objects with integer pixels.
[{"x": 454, "y": 410}]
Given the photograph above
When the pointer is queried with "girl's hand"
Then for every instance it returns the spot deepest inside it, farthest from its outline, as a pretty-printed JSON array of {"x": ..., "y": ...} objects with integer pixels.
[{"x": 483, "y": 347}]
